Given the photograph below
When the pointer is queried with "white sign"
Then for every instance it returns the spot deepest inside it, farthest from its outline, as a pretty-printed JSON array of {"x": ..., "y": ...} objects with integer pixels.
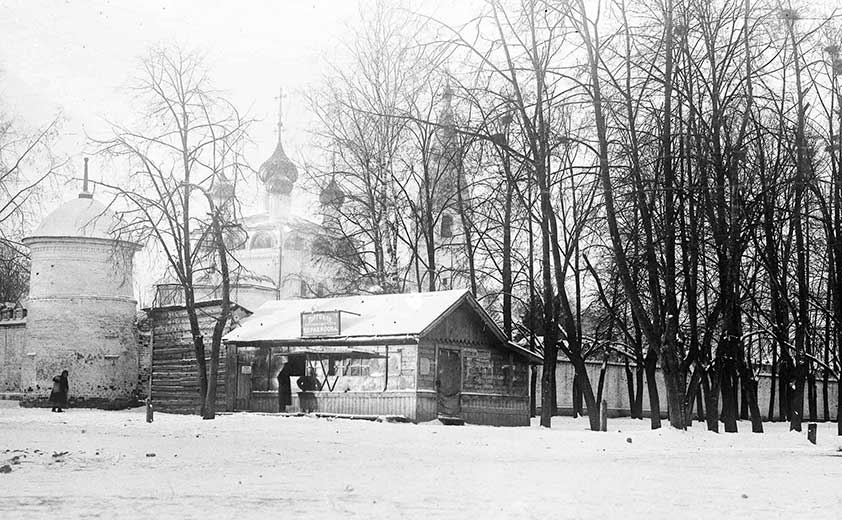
[{"x": 324, "y": 323}]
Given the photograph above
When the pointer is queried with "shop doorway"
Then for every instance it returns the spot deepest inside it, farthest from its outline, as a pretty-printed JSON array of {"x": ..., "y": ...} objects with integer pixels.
[{"x": 449, "y": 383}]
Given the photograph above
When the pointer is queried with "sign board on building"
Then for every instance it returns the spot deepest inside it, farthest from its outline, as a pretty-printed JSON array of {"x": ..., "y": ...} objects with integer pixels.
[{"x": 321, "y": 323}]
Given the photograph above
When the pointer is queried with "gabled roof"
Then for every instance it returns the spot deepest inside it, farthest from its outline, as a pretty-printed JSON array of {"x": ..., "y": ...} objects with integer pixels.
[
  {"x": 366, "y": 319},
  {"x": 375, "y": 315}
]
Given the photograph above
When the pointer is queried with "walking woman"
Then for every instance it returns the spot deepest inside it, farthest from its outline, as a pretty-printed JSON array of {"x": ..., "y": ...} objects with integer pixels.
[{"x": 58, "y": 397}]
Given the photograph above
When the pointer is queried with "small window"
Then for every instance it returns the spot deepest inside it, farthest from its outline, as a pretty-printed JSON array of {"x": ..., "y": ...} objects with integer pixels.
[
  {"x": 446, "y": 226},
  {"x": 262, "y": 240},
  {"x": 357, "y": 367}
]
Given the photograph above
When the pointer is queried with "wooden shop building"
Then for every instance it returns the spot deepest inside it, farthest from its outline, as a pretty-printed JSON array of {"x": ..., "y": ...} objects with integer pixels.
[{"x": 420, "y": 356}]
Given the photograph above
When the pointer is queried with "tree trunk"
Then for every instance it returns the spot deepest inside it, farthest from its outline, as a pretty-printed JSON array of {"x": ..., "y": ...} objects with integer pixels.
[
  {"x": 784, "y": 388},
  {"x": 629, "y": 387},
  {"x": 652, "y": 387},
  {"x": 825, "y": 396},
  {"x": 221, "y": 320},
  {"x": 700, "y": 409},
  {"x": 577, "y": 398},
  {"x": 199, "y": 352},
  {"x": 601, "y": 384},
  {"x": 773, "y": 381},
  {"x": 640, "y": 370},
  {"x": 751, "y": 395},
  {"x": 533, "y": 388},
  {"x": 711, "y": 383},
  {"x": 797, "y": 398}
]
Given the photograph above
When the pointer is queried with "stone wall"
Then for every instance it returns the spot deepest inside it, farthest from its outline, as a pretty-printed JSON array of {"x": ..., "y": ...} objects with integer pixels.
[
  {"x": 12, "y": 353},
  {"x": 94, "y": 339},
  {"x": 70, "y": 267},
  {"x": 615, "y": 391}
]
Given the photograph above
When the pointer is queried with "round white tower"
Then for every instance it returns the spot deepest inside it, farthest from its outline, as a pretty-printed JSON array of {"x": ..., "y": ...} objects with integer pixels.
[{"x": 81, "y": 307}]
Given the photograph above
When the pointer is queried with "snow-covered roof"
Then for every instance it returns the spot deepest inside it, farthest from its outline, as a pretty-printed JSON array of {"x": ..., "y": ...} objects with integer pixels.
[
  {"x": 376, "y": 315},
  {"x": 81, "y": 217}
]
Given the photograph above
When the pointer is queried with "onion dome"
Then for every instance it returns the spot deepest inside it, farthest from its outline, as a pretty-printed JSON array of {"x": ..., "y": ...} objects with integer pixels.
[
  {"x": 222, "y": 190},
  {"x": 278, "y": 173},
  {"x": 332, "y": 195}
]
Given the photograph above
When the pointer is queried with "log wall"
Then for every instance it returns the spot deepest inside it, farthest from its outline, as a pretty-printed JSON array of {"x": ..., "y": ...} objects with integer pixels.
[{"x": 175, "y": 381}]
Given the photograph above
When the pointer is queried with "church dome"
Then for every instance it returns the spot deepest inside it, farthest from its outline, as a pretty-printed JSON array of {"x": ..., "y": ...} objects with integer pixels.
[
  {"x": 278, "y": 173},
  {"x": 81, "y": 217},
  {"x": 332, "y": 195}
]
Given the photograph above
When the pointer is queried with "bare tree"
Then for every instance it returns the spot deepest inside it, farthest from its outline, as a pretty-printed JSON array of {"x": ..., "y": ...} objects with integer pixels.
[
  {"x": 25, "y": 165},
  {"x": 185, "y": 153}
]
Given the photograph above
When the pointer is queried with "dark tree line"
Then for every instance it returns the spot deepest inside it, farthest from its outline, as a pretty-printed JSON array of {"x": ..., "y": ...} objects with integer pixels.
[{"x": 657, "y": 183}]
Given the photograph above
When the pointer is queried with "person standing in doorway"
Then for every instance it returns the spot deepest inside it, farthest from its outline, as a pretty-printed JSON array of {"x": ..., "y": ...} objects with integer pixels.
[
  {"x": 58, "y": 397},
  {"x": 284, "y": 390}
]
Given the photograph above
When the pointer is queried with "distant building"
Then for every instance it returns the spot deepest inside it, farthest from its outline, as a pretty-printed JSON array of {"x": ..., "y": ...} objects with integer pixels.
[
  {"x": 449, "y": 188},
  {"x": 278, "y": 256}
]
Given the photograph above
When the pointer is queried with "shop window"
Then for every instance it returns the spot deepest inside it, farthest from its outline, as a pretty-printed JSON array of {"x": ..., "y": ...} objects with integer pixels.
[
  {"x": 358, "y": 367},
  {"x": 260, "y": 370},
  {"x": 395, "y": 362}
]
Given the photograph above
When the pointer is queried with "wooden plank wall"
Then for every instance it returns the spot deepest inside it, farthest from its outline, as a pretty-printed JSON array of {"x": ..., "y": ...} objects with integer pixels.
[
  {"x": 495, "y": 410},
  {"x": 495, "y": 382},
  {"x": 353, "y": 403},
  {"x": 175, "y": 383}
]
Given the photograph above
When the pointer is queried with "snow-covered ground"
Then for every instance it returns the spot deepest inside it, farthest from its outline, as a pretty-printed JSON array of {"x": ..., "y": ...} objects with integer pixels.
[{"x": 89, "y": 463}]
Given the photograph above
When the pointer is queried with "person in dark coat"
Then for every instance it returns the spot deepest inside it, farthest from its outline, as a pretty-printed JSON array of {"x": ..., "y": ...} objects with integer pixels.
[
  {"x": 284, "y": 390},
  {"x": 58, "y": 397}
]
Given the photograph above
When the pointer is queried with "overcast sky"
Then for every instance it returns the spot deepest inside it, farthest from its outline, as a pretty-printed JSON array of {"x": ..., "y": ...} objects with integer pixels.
[{"x": 77, "y": 57}]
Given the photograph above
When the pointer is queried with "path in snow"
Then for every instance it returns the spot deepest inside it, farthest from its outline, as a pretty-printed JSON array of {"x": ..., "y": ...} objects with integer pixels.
[{"x": 88, "y": 463}]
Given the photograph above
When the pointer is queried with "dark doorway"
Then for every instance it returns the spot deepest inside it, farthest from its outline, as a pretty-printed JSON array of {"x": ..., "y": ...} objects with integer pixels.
[{"x": 449, "y": 383}]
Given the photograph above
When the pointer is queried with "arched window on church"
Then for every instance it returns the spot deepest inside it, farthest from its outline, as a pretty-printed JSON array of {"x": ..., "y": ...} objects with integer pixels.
[
  {"x": 262, "y": 240},
  {"x": 446, "y": 226}
]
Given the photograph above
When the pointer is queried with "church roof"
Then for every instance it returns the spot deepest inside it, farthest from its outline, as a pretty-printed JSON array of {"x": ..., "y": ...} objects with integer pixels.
[{"x": 80, "y": 217}]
